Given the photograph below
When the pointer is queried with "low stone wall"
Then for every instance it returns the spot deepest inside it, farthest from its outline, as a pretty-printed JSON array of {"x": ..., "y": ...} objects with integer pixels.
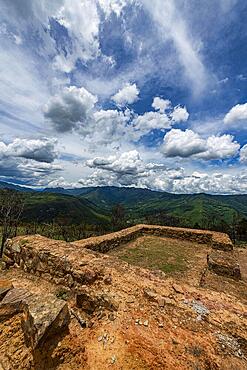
[
  {"x": 107, "y": 242},
  {"x": 75, "y": 264},
  {"x": 224, "y": 263},
  {"x": 56, "y": 261}
]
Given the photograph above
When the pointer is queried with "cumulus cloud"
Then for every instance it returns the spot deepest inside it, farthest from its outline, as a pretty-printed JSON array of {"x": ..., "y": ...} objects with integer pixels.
[
  {"x": 180, "y": 114},
  {"x": 184, "y": 144},
  {"x": 75, "y": 109},
  {"x": 150, "y": 121},
  {"x": 178, "y": 143},
  {"x": 213, "y": 183},
  {"x": 108, "y": 126},
  {"x": 28, "y": 160},
  {"x": 161, "y": 105},
  {"x": 161, "y": 120},
  {"x": 127, "y": 163},
  {"x": 40, "y": 150},
  {"x": 220, "y": 147},
  {"x": 243, "y": 154},
  {"x": 236, "y": 115},
  {"x": 127, "y": 95},
  {"x": 27, "y": 171},
  {"x": 128, "y": 169},
  {"x": 70, "y": 109}
]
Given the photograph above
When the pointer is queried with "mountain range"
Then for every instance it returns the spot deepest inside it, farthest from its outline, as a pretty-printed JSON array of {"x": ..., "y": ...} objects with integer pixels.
[{"x": 94, "y": 205}]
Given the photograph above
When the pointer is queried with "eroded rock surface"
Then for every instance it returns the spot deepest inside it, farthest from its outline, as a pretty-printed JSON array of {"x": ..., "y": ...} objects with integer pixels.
[
  {"x": 43, "y": 317},
  {"x": 5, "y": 287},
  {"x": 13, "y": 302}
]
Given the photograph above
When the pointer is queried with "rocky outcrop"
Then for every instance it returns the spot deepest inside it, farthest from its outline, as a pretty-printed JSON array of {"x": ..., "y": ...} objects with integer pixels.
[
  {"x": 126, "y": 316},
  {"x": 43, "y": 316},
  {"x": 88, "y": 301}
]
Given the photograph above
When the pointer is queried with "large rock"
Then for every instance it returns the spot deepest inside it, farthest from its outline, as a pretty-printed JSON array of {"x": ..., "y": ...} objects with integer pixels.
[
  {"x": 5, "y": 287},
  {"x": 43, "y": 317},
  {"x": 13, "y": 302}
]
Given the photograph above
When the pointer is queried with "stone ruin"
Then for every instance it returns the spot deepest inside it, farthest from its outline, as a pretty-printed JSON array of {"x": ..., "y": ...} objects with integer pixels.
[{"x": 76, "y": 266}]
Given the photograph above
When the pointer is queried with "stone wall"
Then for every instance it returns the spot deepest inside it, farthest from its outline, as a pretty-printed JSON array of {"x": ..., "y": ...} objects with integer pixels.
[
  {"x": 224, "y": 263},
  {"x": 75, "y": 264},
  {"x": 107, "y": 242},
  {"x": 56, "y": 261}
]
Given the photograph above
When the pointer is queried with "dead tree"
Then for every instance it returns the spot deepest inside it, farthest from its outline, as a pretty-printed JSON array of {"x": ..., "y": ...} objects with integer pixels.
[{"x": 11, "y": 208}]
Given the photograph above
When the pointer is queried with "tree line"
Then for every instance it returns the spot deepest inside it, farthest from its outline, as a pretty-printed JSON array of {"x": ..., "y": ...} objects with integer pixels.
[{"x": 12, "y": 204}]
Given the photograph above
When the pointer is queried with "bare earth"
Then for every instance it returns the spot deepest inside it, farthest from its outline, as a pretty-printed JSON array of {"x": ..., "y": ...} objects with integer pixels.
[{"x": 166, "y": 319}]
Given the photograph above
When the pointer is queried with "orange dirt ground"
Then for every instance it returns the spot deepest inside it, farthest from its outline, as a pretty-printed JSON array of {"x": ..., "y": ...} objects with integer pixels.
[{"x": 162, "y": 321}]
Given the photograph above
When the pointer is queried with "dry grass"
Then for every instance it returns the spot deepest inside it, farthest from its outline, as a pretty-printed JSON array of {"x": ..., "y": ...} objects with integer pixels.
[{"x": 174, "y": 257}]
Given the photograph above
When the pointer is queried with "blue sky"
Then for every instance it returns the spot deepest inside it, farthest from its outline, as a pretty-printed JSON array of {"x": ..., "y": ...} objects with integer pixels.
[{"x": 125, "y": 93}]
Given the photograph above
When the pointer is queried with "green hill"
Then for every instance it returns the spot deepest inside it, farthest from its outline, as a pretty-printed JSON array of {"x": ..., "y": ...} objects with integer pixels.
[
  {"x": 47, "y": 207},
  {"x": 93, "y": 205},
  {"x": 197, "y": 209}
]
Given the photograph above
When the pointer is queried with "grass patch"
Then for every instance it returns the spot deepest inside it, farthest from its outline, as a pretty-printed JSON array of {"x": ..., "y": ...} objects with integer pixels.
[{"x": 168, "y": 255}]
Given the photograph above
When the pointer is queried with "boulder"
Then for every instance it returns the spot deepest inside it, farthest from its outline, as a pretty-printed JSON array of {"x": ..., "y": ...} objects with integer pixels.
[
  {"x": 13, "y": 302},
  {"x": 44, "y": 317},
  {"x": 5, "y": 287}
]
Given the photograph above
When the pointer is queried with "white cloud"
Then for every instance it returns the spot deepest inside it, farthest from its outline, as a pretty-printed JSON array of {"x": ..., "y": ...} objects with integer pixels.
[
  {"x": 75, "y": 109},
  {"x": 180, "y": 114},
  {"x": 40, "y": 150},
  {"x": 178, "y": 143},
  {"x": 213, "y": 183},
  {"x": 115, "y": 6},
  {"x": 81, "y": 20},
  {"x": 108, "y": 126},
  {"x": 161, "y": 105},
  {"x": 127, "y": 95},
  {"x": 27, "y": 171},
  {"x": 184, "y": 144},
  {"x": 149, "y": 121},
  {"x": 70, "y": 109},
  {"x": 170, "y": 22},
  {"x": 236, "y": 115},
  {"x": 126, "y": 163},
  {"x": 220, "y": 147},
  {"x": 243, "y": 154},
  {"x": 128, "y": 169}
]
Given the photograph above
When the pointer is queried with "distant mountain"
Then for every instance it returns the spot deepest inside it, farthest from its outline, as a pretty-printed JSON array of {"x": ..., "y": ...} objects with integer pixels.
[
  {"x": 48, "y": 207},
  {"x": 191, "y": 209},
  {"x": 94, "y": 205},
  {"x": 7, "y": 185},
  {"x": 76, "y": 191}
]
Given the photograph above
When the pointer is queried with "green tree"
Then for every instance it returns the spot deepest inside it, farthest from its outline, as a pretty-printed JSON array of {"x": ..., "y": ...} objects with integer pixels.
[
  {"x": 118, "y": 218},
  {"x": 11, "y": 208}
]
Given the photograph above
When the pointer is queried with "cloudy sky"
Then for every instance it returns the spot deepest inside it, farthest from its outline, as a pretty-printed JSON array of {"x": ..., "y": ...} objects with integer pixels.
[{"x": 124, "y": 92}]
